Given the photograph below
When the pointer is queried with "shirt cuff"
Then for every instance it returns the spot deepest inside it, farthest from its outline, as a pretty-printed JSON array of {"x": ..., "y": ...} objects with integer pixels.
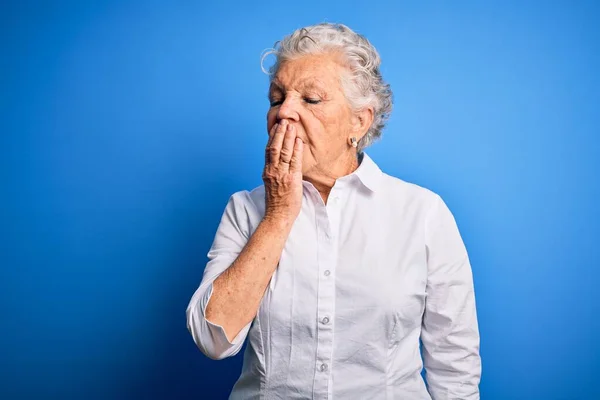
[
  {"x": 217, "y": 331},
  {"x": 208, "y": 336}
]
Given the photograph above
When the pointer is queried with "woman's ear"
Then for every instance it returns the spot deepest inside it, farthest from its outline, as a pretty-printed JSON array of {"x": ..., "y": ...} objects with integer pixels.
[{"x": 363, "y": 120}]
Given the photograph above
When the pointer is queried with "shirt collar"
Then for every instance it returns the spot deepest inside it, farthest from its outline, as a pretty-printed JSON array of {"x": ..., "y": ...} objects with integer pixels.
[{"x": 368, "y": 172}]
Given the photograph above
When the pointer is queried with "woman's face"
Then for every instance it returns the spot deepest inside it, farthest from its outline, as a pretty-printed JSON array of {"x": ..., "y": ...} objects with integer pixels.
[{"x": 307, "y": 92}]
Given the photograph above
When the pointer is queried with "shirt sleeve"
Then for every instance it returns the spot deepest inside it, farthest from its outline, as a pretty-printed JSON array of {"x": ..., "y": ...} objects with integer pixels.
[
  {"x": 450, "y": 333},
  {"x": 231, "y": 237}
]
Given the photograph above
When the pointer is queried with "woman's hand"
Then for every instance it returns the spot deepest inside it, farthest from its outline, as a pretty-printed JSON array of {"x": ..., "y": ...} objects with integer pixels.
[{"x": 283, "y": 174}]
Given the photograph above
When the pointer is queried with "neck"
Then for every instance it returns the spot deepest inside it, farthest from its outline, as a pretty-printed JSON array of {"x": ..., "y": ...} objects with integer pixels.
[{"x": 323, "y": 176}]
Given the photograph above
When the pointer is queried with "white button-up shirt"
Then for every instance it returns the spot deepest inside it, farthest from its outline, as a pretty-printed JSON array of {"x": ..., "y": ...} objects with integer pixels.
[{"x": 360, "y": 280}]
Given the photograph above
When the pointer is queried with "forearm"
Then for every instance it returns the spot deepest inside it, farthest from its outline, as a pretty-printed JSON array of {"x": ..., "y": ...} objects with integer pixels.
[{"x": 238, "y": 291}]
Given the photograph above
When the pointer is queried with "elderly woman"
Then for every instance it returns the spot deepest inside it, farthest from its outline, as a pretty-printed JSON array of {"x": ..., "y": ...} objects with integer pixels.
[{"x": 333, "y": 269}]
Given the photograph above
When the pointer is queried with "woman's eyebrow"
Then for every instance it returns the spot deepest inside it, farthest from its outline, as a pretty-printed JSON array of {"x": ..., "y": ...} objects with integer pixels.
[
  {"x": 275, "y": 88},
  {"x": 313, "y": 84},
  {"x": 309, "y": 84}
]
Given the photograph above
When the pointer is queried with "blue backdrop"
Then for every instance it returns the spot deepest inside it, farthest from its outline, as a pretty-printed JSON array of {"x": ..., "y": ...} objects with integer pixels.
[{"x": 125, "y": 127}]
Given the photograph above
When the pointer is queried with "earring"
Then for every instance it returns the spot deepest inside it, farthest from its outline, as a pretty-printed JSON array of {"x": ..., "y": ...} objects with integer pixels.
[{"x": 353, "y": 142}]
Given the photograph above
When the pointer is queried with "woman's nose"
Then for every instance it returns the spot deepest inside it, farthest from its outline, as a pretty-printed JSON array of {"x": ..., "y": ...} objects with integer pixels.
[{"x": 288, "y": 110}]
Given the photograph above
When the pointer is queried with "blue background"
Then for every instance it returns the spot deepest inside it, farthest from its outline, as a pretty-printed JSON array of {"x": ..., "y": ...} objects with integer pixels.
[{"x": 127, "y": 125}]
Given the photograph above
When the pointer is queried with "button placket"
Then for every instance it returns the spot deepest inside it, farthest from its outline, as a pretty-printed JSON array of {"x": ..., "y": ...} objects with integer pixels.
[{"x": 327, "y": 259}]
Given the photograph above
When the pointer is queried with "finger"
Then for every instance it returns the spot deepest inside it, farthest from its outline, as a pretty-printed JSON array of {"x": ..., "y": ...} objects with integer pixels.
[
  {"x": 296, "y": 163},
  {"x": 267, "y": 150},
  {"x": 276, "y": 143},
  {"x": 287, "y": 149},
  {"x": 272, "y": 133}
]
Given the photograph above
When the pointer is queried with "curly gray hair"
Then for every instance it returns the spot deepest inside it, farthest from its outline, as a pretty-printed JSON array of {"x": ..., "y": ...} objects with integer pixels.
[{"x": 364, "y": 87}]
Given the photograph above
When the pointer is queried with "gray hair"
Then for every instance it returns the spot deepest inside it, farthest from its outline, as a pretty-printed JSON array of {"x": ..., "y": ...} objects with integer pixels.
[{"x": 365, "y": 86}]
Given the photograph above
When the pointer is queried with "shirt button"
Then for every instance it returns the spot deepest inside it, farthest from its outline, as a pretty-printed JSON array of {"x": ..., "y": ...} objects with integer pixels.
[
  {"x": 325, "y": 320},
  {"x": 327, "y": 272},
  {"x": 323, "y": 367},
  {"x": 336, "y": 200}
]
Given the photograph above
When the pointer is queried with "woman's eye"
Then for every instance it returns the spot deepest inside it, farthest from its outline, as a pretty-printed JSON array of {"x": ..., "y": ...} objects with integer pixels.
[
  {"x": 275, "y": 103},
  {"x": 312, "y": 101}
]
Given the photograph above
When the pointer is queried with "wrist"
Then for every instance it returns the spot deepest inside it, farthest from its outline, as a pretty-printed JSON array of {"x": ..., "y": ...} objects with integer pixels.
[{"x": 278, "y": 222}]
